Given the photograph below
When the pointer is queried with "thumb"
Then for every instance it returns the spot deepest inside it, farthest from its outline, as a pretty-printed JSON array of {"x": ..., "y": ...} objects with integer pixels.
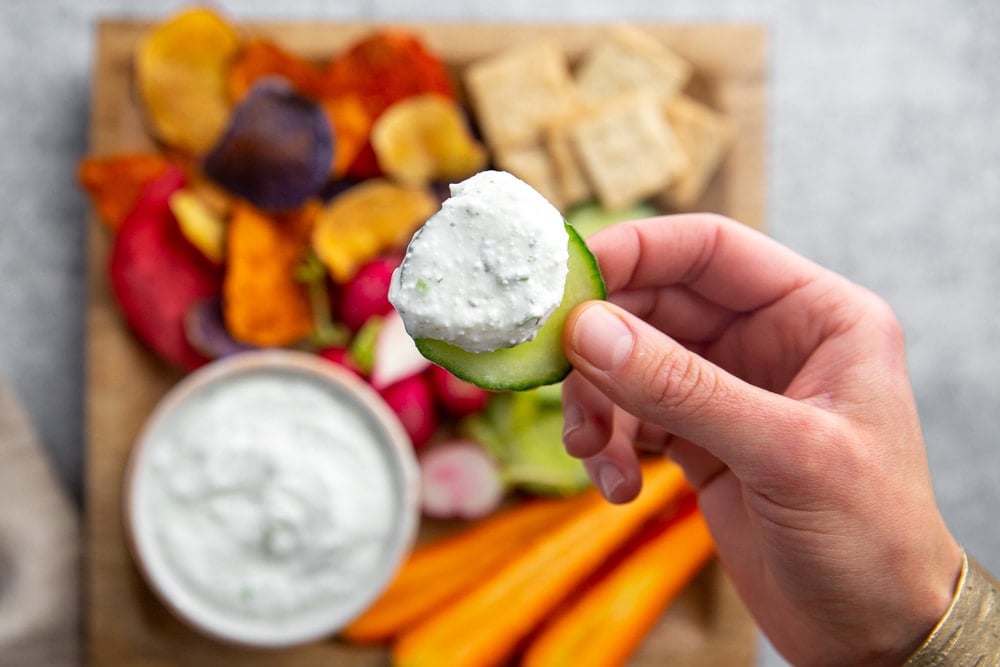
[{"x": 657, "y": 379}]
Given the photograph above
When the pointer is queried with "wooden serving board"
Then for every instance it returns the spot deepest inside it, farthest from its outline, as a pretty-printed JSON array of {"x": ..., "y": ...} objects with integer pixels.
[{"x": 125, "y": 624}]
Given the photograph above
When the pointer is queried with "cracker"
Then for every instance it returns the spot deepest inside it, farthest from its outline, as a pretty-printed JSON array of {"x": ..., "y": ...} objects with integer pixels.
[
  {"x": 628, "y": 150},
  {"x": 517, "y": 92},
  {"x": 706, "y": 135},
  {"x": 628, "y": 61},
  {"x": 533, "y": 165},
  {"x": 569, "y": 176}
]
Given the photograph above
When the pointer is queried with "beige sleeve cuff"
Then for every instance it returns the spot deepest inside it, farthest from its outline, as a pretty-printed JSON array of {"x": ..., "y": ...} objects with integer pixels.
[{"x": 969, "y": 632}]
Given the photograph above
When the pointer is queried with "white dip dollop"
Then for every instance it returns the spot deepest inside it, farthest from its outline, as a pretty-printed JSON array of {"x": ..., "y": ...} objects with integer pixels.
[
  {"x": 487, "y": 270},
  {"x": 266, "y": 504}
]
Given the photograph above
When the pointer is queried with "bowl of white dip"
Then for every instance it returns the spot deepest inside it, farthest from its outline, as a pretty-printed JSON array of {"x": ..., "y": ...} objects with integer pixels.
[{"x": 270, "y": 498}]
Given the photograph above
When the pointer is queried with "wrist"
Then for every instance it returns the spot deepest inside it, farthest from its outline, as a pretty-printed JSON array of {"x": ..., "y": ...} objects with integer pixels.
[
  {"x": 968, "y": 632},
  {"x": 920, "y": 603},
  {"x": 934, "y": 600}
]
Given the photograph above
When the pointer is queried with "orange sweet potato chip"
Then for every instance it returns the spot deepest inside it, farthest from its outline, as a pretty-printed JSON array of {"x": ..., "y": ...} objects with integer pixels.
[
  {"x": 425, "y": 138},
  {"x": 263, "y": 303},
  {"x": 367, "y": 220},
  {"x": 115, "y": 183},
  {"x": 180, "y": 70},
  {"x": 351, "y": 127},
  {"x": 261, "y": 58}
]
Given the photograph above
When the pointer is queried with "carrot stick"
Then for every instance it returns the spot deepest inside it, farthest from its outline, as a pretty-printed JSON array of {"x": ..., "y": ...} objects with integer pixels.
[
  {"x": 609, "y": 621},
  {"x": 483, "y": 627},
  {"x": 442, "y": 570}
]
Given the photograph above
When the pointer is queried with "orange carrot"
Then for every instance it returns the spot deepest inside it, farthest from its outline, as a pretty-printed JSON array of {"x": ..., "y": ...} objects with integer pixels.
[
  {"x": 484, "y": 627},
  {"x": 609, "y": 621},
  {"x": 441, "y": 571}
]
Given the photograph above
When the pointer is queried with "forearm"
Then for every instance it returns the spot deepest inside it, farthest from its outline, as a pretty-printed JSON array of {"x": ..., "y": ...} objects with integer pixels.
[{"x": 969, "y": 632}]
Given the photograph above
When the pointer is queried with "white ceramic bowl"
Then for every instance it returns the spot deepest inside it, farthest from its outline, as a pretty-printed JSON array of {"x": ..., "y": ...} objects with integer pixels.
[{"x": 199, "y": 529}]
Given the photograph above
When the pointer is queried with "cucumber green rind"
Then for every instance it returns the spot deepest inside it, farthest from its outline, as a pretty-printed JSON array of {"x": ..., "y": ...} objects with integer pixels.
[{"x": 537, "y": 362}]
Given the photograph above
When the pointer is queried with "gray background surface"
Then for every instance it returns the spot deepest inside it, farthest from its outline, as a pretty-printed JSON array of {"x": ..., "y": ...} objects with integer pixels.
[{"x": 884, "y": 164}]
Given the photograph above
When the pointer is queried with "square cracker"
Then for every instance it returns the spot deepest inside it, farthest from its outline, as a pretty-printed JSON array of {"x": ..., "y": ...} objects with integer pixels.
[
  {"x": 569, "y": 177},
  {"x": 705, "y": 135},
  {"x": 519, "y": 91},
  {"x": 629, "y": 60},
  {"x": 628, "y": 150},
  {"x": 533, "y": 165}
]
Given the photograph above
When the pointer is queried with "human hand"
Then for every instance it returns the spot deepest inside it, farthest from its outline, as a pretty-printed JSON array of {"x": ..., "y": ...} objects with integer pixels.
[{"x": 781, "y": 389}]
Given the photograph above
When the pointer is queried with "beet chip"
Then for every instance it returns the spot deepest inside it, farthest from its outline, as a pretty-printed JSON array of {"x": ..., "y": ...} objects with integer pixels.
[
  {"x": 156, "y": 274},
  {"x": 278, "y": 148}
]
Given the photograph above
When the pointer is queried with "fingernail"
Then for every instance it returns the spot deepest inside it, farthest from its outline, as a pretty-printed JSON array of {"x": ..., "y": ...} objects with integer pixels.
[
  {"x": 572, "y": 418},
  {"x": 602, "y": 338},
  {"x": 609, "y": 478}
]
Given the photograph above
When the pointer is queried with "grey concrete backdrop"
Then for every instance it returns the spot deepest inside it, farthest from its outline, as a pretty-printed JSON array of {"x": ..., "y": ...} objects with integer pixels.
[{"x": 884, "y": 164}]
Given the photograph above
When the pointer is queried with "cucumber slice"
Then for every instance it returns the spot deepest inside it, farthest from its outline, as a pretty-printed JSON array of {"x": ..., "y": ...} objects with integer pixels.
[
  {"x": 590, "y": 218},
  {"x": 537, "y": 362}
]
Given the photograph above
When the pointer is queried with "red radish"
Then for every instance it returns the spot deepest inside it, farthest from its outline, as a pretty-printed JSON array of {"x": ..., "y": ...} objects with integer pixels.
[
  {"x": 396, "y": 355},
  {"x": 459, "y": 398},
  {"x": 342, "y": 357},
  {"x": 413, "y": 402},
  {"x": 459, "y": 479},
  {"x": 156, "y": 274},
  {"x": 367, "y": 293}
]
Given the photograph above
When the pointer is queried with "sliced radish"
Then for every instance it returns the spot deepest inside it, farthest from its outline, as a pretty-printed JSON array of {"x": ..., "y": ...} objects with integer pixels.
[
  {"x": 366, "y": 295},
  {"x": 396, "y": 355},
  {"x": 458, "y": 397},
  {"x": 413, "y": 402},
  {"x": 459, "y": 479},
  {"x": 342, "y": 357}
]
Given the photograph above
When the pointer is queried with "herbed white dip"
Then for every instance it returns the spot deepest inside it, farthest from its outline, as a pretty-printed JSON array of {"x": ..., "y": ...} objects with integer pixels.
[
  {"x": 265, "y": 499},
  {"x": 487, "y": 270}
]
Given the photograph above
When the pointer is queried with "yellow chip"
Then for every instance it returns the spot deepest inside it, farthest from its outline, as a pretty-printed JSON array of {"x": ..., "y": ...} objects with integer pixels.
[
  {"x": 367, "y": 220},
  {"x": 205, "y": 230},
  {"x": 181, "y": 68},
  {"x": 424, "y": 138}
]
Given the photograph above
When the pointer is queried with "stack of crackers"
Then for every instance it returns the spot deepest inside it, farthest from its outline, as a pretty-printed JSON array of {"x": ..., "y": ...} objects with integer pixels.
[{"x": 616, "y": 127}]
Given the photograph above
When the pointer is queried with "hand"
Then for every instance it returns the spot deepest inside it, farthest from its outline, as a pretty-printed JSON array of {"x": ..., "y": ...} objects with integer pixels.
[{"x": 782, "y": 390}]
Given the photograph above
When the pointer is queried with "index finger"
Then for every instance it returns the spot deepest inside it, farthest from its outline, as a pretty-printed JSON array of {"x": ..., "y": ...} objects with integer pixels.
[{"x": 720, "y": 259}]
